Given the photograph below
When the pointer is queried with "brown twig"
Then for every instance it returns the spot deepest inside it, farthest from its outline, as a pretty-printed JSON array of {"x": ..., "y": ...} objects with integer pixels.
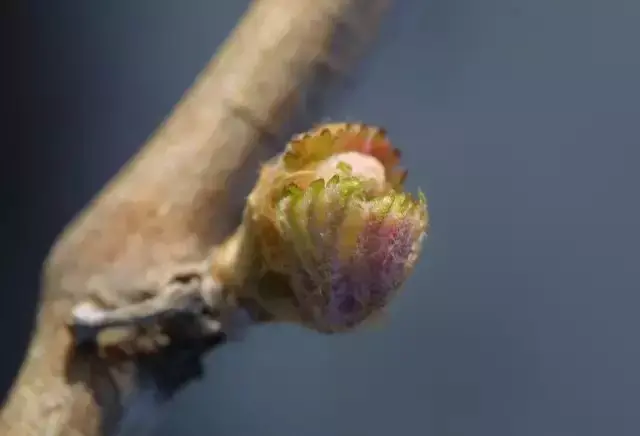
[{"x": 176, "y": 198}]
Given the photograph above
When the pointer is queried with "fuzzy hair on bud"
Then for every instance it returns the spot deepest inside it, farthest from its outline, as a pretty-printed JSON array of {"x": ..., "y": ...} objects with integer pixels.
[{"x": 331, "y": 219}]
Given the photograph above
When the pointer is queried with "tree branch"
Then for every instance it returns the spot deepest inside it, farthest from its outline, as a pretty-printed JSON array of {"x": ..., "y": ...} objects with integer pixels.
[{"x": 166, "y": 209}]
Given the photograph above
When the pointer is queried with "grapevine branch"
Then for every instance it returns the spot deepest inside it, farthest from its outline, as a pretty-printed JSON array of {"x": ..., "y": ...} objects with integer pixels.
[{"x": 151, "y": 228}]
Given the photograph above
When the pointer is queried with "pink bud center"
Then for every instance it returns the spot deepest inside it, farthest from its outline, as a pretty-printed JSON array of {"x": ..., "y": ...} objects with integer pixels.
[{"x": 362, "y": 165}]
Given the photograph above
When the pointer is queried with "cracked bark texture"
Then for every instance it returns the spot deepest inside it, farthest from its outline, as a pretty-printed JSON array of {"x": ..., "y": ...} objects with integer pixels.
[{"x": 178, "y": 197}]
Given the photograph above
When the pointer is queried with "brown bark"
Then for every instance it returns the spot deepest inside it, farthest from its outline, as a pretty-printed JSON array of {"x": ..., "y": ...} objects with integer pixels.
[{"x": 175, "y": 199}]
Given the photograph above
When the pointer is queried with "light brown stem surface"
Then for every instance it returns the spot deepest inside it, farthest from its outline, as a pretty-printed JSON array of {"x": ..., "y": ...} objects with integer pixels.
[{"x": 176, "y": 198}]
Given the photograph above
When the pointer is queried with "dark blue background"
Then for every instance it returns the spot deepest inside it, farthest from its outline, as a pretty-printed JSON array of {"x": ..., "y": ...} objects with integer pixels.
[{"x": 520, "y": 120}]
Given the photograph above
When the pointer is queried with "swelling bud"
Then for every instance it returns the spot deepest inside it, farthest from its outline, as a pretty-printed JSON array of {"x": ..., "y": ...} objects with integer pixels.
[{"x": 329, "y": 235}]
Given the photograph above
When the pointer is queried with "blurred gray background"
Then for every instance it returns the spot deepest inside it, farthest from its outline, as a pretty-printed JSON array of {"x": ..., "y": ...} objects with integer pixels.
[{"x": 520, "y": 120}]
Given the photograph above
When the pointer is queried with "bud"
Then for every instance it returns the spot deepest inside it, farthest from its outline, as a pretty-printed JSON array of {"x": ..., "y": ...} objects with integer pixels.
[
  {"x": 330, "y": 217},
  {"x": 331, "y": 143}
]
